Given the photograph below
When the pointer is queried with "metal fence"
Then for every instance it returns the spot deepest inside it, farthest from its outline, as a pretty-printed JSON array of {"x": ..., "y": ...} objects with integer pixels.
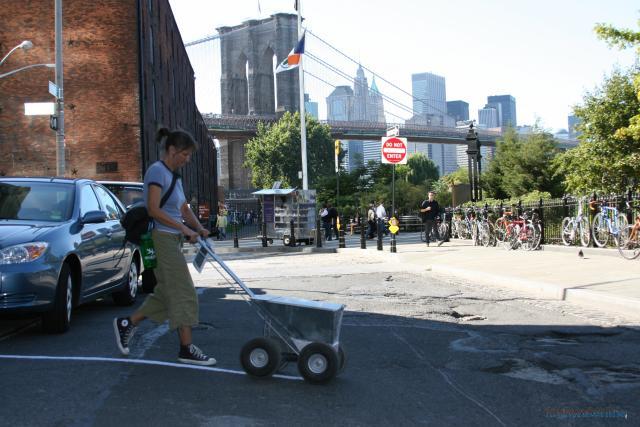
[{"x": 551, "y": 212}]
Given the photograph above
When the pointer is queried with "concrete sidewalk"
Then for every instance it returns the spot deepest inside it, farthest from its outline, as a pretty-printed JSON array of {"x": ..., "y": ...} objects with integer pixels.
[{"x": 597, "y": 280}]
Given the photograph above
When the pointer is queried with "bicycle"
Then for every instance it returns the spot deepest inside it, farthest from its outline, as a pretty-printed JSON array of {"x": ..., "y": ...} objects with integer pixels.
[
  {"x": 486, "y": 232},
  {"x": 629, "y": 239},
  {"x": 608, "y": 223},
  {"x": 519, "y": 233},
  {"x": 577, "y": 226}
]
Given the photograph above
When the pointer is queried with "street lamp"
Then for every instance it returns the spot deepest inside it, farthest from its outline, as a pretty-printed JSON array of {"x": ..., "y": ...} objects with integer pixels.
[
  {"x": 25, "y": 45},
  {"x": 26, "y": 67}
]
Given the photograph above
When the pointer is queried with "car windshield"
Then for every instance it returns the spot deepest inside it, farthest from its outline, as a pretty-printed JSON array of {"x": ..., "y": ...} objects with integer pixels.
[
  {"x": 127, "y": 194},
  {"x": 36, "y": 201}
]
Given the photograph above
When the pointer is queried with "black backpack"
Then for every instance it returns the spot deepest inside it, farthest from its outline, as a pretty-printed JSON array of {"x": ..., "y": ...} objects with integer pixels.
[{"x": 136, "y": 220}]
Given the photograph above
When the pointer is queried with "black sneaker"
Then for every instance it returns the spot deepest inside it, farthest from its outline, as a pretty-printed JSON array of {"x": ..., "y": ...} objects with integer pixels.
[
  {"x": 440, "y": 242},
  {"x": 124, "y": 330},
  {"x": 194, "y": 356}
]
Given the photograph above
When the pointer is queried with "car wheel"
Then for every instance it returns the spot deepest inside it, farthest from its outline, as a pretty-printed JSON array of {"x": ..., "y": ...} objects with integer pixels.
[
  {"x": 127, "y": 295},
  {"x": 58, "y": 319}
]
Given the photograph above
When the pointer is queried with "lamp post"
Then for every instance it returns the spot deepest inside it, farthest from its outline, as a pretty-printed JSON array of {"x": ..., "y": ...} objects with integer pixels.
[
  {"x": 25, "y": 45},
  {"x": 26, "y": 67},
  {"x": 60, "y": 164}
]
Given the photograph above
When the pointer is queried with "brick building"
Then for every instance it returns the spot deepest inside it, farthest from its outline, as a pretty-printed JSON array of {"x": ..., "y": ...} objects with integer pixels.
[{"x": 126, "y": 71}]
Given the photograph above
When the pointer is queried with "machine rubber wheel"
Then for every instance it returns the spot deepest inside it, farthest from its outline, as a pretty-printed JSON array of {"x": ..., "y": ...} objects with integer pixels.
[
  {"x": 260, "y": 357},
  {"x": 286, "y": 240},
  {"x": 127, "y": 295},
  {"x": 318, "y": 363},
  {"x": 58, "y": 319}
]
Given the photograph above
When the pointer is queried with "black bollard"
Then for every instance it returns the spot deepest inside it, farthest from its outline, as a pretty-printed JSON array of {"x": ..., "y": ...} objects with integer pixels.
[
  {"x": 318, "y": 235},
  {"x": 363, "y": 238},
  {"x": 380, "y": 225},
  {"x": 264, "y": 234},
  {"x": 341, "y": 242},
  {"x": 393, "y": 243},
  {"x": 235, "y": 235},
  {"x": 292, "y": 240}
]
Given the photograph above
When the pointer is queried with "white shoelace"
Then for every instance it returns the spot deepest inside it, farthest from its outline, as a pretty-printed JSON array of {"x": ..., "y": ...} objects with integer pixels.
[{"x": 197, "y": 353}]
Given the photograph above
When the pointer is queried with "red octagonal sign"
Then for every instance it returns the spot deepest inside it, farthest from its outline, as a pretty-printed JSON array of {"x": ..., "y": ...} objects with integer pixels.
[{"x": 394, "y": 150}]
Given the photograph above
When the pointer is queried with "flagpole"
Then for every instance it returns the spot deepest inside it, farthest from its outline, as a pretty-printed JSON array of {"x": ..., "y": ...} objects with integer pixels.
[{"x": 303, "y": 125}]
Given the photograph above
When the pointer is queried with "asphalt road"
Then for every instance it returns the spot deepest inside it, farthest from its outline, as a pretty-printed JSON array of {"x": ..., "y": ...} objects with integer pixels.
[{"x": 421, "y": 350}]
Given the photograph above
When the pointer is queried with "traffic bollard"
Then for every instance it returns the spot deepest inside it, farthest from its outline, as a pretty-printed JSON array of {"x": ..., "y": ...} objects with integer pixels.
[
  {"x": 235, "y": 235},
  {"x": 363, "y": 239},
  {"x": 341, "y": 243},
  {"x": 380, "y": 225},
  {"x": 264, "y": 234},
  {"x": 318, "y": 235},
  {"x": 393, "y": 243}
]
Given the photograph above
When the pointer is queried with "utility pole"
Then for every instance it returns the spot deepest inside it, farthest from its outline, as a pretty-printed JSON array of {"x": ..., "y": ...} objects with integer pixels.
[
  {"x": 303, "y": 125},
  {"x": 60, "y": 161}
]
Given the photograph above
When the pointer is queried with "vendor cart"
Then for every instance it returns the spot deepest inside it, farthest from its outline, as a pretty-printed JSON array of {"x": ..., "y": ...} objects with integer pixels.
[{"x": 287, "y": 209}]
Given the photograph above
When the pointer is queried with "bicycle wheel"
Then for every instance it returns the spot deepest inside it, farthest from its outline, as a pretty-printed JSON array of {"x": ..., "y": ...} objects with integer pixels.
[
  {"x": 600, "y": 231},
  {"x": 527, "y": 237},
  {"x": 443, "y": 230},
  {"x": 583, "y": 230},
  {"x": 500, "y": 229},
  {"x": 484, "y": 235},
  {"x": 567, "y": 231},
  {"x": 629, "y": 248},
  {"x": 537, "y": 236}
]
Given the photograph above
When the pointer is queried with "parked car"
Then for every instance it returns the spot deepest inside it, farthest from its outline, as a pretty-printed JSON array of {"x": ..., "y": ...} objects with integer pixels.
[
  {"x": 129, "y": 193},
  {"x": 61, "y": 245}
]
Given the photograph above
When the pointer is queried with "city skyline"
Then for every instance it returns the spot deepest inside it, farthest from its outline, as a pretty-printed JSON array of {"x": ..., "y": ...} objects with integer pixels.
[{"x": 546, "y": 61}]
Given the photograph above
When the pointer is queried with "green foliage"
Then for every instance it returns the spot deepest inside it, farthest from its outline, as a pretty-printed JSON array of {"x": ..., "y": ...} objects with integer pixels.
[
  {"x": 608, "y": 158},
  {"x": 421, "y": 169},
  {"x": 522, "y": 165},
  {"x": 274, "y": 154}
]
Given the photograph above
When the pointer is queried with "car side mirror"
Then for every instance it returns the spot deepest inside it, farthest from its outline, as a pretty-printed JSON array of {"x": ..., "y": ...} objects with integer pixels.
[{"x": 94, "y": 217}]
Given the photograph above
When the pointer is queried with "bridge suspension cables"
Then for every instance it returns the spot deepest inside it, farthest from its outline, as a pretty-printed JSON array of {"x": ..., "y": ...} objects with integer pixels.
[{"x": 327, "y": 66}]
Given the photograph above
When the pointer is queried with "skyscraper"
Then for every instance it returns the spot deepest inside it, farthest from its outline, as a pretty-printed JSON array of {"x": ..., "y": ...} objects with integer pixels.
[
  {"x": 340, "y": 104},
  {"x": 489, "y": 117},
  {"x": 429, "y": 94},
  {"x": 507, "y": 109},
  {"x": 310, "y": 107},
  {"x": 458, "y": 110},
  {"x": 362, "y": 104}
]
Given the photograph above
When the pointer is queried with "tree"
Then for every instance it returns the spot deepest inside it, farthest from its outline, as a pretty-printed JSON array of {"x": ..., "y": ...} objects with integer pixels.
[
  {"x": 522, "y": 165},
  {"x": 274, "y": 154},
  {"x": 608, "y": 156},
  {"x": 421, "y": 169},
  {"x": 624, "y": 39}
]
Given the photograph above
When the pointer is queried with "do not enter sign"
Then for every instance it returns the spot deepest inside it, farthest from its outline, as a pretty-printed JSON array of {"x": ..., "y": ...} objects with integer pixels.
[{"x": 394, "y": 150}]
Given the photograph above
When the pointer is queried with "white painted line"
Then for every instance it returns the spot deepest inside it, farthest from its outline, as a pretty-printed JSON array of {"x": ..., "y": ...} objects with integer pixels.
[{"x": 135, "y": 362}]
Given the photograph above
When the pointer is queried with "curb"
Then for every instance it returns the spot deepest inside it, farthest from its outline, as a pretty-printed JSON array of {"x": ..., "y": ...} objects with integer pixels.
[
  {"x": 611, "y": 304},
  {"x": 586, "y": 251}
]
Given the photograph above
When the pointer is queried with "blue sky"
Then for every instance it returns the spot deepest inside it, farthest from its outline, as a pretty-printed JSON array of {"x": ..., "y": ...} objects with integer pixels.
[{"x": 543, "y": 52}]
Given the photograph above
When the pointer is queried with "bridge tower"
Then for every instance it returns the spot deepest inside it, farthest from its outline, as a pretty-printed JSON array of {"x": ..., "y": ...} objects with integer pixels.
[{"x": 247, "y": 79}]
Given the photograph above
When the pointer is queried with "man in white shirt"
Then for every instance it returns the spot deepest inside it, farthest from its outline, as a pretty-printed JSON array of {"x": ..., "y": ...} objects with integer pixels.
[{"x": 381, "y": 215}]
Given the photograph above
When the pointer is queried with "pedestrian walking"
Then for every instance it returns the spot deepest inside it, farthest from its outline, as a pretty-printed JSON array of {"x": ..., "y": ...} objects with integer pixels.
[
  {"x": 429, "y": 209},
  {"x": 381, "y": 216},
  {"x": 326, "y": 221},
  {"x": 174, "y": 297},
  {"x": 371, "y": 221},
  {"x": 222, "y": 225}
]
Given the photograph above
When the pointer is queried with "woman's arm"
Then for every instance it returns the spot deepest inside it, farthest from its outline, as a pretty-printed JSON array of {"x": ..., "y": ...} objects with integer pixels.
[
  {"x": 153, "y": 209},
  {"x": 192, "y": 221}
]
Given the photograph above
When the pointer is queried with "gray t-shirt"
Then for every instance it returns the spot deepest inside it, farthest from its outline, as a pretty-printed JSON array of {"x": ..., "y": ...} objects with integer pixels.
[{"x": 159, "y": 174}]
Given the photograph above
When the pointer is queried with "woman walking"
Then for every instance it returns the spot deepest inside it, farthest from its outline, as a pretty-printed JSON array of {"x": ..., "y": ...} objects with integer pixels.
[{"x": 174, "y": 297}]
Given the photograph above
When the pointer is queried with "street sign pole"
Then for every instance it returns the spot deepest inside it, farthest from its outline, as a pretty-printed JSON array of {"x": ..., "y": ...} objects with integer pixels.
[{"x": 393, "y": 208}]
